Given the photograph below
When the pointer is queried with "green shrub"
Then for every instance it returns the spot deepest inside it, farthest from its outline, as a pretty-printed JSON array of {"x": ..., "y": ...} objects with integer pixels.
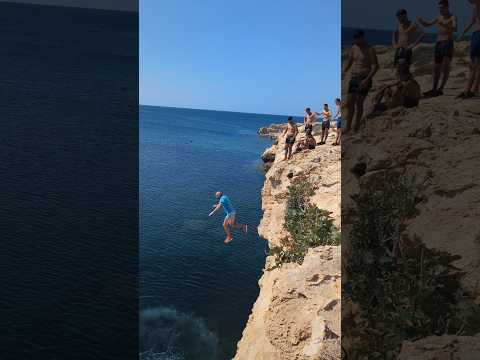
[
  {"x": 402, "y": 289},
  {"x": 308, "y": 225}
]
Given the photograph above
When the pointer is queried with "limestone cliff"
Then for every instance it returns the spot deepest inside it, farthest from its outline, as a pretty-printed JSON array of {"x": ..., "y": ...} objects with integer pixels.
[
  {"x": 297, "y": 313},
  {"x": 436, "y": 144}
]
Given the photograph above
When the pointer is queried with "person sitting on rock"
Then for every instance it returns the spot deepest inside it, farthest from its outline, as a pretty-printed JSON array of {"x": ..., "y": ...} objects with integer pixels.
[
  {"x": 308, "y": 143},
  {"x": 473, "y": 83},
  {"x": 406, "y": 92}
]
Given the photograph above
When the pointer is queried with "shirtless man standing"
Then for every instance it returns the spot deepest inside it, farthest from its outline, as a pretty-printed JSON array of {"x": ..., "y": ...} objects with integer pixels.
[
  {"x": 309, "y": 119},
  {"x": 327, "y": 117},
  {"x": 473, "y": 82},
  {"x": 364, "y": 63},
  {"x": 291, "y": 131},
  {"x": 338, "y": 122},
  {"x": 444, "y": 47},
  {"x": 404, "y": 38}
]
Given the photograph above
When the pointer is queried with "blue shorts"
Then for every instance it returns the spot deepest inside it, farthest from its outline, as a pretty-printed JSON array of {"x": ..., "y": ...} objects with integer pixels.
[
  {"x": 339, "y": 123},
  {"x": 230, "y": 216},
  {"x": 475, "y": 45}
]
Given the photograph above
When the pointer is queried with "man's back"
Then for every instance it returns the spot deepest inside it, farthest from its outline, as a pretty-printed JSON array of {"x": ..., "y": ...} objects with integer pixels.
[{"x": 227, "y": 205}]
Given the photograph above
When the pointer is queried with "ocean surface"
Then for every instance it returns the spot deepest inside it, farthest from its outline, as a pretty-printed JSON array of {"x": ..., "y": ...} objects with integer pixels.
[
  {"x": 69, "y": 183},
  {"x": 195, "y": 292}
]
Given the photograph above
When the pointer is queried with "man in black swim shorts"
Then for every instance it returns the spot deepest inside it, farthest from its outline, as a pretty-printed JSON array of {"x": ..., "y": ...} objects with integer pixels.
[
  {"x": 291, "y": 132},
  {"x": 364, "y": 64},
  {"x": 405, "y": 38},
  {"x": 309, "y": 119},
  {"x": 444, "y": 47}
]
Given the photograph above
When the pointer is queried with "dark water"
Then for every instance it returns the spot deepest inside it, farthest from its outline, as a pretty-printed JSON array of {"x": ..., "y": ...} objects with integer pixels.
[
  {"x": 199, "y": 292},
  {"x": 69, "y": 183}
]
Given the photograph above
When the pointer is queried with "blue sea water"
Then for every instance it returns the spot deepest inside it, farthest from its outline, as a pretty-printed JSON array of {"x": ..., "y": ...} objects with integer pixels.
[{"x": 195, "y": 292}]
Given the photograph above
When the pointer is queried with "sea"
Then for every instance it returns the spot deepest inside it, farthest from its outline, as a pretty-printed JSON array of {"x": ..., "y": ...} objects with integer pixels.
[{"x": 196, "y": 293}]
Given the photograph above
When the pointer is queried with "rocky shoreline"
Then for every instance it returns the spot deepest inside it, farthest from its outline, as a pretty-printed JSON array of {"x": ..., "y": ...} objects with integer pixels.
[{"x": 297, "y": 313}]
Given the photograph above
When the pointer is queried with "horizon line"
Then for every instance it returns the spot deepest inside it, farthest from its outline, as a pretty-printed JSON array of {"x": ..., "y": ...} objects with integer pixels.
[
  {"x": 27, "y": 3},
  {"x": 230, "y": 111}
]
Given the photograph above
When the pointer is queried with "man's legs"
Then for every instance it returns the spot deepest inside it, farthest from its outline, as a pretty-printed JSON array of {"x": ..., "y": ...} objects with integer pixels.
[
  {"x": 243, "y": 227},
  {"x": 290, "y": 150},
  {"x": 476, "y": 86},
  {"x": 326, "y": 134},
  {"x": 351, "y": 98},
  {"x": 226, "y": 227},
  {"x": 446, "y": 72},
  {"x": 473, "y": 78},
  {"x": 286, "y": 152},
  {"x": 359, "y": 112},
  {"x": 437, "y": 70}
]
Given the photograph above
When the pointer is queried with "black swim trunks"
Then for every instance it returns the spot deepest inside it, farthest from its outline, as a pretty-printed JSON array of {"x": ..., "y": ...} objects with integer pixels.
[
  {"x": 409, "y": 102},
  {"x": 354, "y": 85},
  {"x": 475, "y": 45},
  {"x": 308, "y": 127},
  {"x": 290, "y": 140},
  {"x": 444, "y": 49},
  {"x": 325, "y": 124},
  {"x": 403, "y": 56}
]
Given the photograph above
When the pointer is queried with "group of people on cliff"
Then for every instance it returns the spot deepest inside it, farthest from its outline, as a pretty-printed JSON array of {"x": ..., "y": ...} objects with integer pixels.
[
  {"x": 310, "y": 119},
  {"x": 405, "y": 90}
]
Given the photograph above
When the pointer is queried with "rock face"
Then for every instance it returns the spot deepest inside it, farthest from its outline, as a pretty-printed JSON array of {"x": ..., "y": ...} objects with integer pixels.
[
  {"x": 432, "y": 142},
  {"x": 272, "y": 131},
  {"x": 297, "y": 314},
  {"x": 436, "y": 144},
  {"x": 442, "y": 348}
]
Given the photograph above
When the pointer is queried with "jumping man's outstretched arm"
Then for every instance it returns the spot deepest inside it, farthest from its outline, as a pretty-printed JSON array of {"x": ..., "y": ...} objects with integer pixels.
[{"x": 215, "y": 209}]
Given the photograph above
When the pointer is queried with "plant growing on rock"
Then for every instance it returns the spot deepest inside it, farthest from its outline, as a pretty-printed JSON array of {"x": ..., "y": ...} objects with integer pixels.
[
  {"x": 397, "y": 288},
  {"x": 307, "y": 225}
]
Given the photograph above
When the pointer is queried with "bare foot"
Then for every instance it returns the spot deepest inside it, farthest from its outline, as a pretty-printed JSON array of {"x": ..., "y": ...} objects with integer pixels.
[{"x": 228, "y": 239}]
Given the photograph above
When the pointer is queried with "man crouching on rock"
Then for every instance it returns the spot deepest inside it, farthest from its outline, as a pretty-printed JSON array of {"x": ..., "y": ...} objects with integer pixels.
[{"x": 230, "y": 221}]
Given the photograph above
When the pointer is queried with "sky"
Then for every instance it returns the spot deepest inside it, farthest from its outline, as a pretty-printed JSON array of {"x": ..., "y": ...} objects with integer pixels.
[
  {"x": 124, "y": 5},
  {"x": 268, "y": 57},
  {"x": 381, "y": 14}
]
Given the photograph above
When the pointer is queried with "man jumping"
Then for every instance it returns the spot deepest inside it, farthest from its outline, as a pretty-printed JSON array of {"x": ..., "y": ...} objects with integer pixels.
[{"x": 230, "y": 221}]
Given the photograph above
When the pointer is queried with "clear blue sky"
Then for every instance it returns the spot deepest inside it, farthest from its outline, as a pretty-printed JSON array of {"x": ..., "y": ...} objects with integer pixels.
[{"x": 268, "y": 56}]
